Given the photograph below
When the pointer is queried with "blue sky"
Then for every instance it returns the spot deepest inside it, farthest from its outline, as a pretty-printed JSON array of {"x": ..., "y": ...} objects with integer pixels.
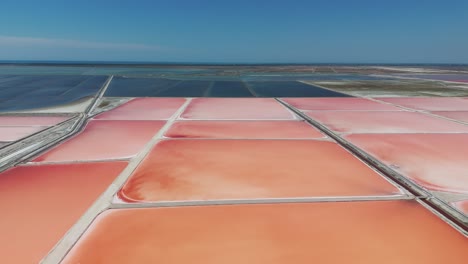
[{"x": 236, "y": 31}]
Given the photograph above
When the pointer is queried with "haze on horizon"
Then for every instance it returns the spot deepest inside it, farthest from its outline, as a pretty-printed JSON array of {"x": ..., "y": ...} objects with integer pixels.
[{"x": 241, "y": 31}]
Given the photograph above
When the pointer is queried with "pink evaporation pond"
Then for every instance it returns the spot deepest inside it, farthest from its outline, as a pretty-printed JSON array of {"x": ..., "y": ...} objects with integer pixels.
[
  {"x": 384, "y": 232},
  {"x": 339, "y": 104},
  {"x": 103, "y": 140},
  {"x": 243, "y": 129},
  {"x": 40, "y": 203},
  {"x": 462, "y": 206},
  {"x": 250, "y": 169},
  {"x": 236, "y": 108},
  {"x": 456, "y": 115},
  {"x": 429, "y": 103},
  {"x": 435, "y": 161},
  {"x": 385, "y": 122},
  {"x": 31, "y": 120},
  {"x": 12, "y": 133},
  {"x": 144, "y": 109}
]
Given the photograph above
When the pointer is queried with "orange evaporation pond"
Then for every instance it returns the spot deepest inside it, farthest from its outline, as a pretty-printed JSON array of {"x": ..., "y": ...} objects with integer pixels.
[
  {"x": 430, "y": 103},
  {"x": 385, "y": 122},
  {"x": 462, "y": 206},
  {"x": 435, "y": 161},
  {"x": 144, "y": 109},
  {"x": 243, "y": 129},
  {"x": 12, "y": 133},
  {"x": 240, "y": 169},
  {"x": 40, "y": 203},
  {"x": 384, "y": 232},
  {"x": 31, "y": 120},
  {"x": 339, "y": 104},
  {"x": 456, "y": 115},
  {"x": 236, "y": 108},
  {"x": 105, "y": 139}
]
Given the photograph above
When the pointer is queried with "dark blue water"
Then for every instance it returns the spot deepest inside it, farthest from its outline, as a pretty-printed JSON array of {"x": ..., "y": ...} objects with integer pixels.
[
  {"x": 32, "y": 92},
  {"x": 229, "y": 89},
  {"x": 139, "y": 87},
  {"x": 187, "y": 89},
  {"x": 290, "y": 89},
  {"x": 160, "y": 87},
  {"x": 43, "y": 87}
]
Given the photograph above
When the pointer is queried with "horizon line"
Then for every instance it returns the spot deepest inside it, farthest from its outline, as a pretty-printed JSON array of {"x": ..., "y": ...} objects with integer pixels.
[{"x": 168, "y": 63}]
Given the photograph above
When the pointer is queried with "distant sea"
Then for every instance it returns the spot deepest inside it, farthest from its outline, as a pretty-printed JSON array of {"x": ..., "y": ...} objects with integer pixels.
[{"x": 155, "y": 64}]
